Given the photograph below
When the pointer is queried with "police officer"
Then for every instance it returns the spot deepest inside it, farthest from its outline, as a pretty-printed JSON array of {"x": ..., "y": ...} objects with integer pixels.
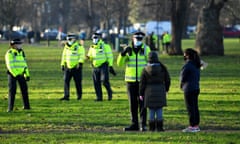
[
  {"x": 17, "y": 71},
  {"x": 72, "y": 62},
  {"x": 135, "y": 57},
  {"x": 166, "y": 41},
  {"x": 101, "y": 57}
]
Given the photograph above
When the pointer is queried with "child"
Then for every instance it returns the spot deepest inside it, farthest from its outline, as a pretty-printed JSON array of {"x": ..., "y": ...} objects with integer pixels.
[{"x": 154, "y": 85}]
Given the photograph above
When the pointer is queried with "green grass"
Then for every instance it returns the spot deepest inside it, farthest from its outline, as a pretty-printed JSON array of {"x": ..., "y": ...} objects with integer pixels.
[{"x": 85, "y": 121}]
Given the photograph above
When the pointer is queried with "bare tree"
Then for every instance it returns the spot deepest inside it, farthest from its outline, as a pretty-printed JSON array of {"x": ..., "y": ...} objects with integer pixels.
[
  {"x": 11, "y": 12},
  {"x": 209, "y": 40}
]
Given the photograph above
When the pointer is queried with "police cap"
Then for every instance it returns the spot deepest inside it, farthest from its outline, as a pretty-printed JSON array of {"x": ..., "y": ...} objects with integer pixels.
[
  {"x": 96, "y": 35},
  {"x": 71, "y": 36},
  {"x": 139, "y": 35},
  {"x": 15, "y": 41}
]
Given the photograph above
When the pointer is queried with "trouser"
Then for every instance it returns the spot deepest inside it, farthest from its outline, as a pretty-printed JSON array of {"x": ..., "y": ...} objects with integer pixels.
[
  {"x": 101, "y": 75},
  {"x": 157, "y": 112},
  {"x": 167, "y": 46},
  {"x": 12, "y": 85},
  {"x": 135, "y": 103},
  {"x": 191, "y": 100},
  {"x": 76, "y": 73}
]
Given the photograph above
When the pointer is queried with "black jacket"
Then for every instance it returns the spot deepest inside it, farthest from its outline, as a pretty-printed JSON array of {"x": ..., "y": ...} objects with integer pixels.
[{"x": 154, "y": 83}]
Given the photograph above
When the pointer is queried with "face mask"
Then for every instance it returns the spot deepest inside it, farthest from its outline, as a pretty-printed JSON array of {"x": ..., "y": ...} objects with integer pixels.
[
  {"x": 95, "y": 40},
  {"x": 184, "y": 58},
  {"x": 137, "y": 43},
  {"x": 70, "y": 42},
  {"x": 19, "y": 46}
]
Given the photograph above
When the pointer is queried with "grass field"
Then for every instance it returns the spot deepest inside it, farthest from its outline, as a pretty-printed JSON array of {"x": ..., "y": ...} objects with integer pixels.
[{"x": 86, "y": 121}]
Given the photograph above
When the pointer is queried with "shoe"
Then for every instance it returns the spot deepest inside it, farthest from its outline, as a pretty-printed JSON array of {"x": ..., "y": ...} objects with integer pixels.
[
  {"x": 143, "y": 128},
  {"x": 131, "y": 128},
  {"x": 191, "y": 129},
  {"x": 9, "y": 111},
  {"x": 26, "y": 108},
  {"x": 64, "y": 98},
  {"x": 79, "y": 98},
  {"x": 98, "y": 100}
]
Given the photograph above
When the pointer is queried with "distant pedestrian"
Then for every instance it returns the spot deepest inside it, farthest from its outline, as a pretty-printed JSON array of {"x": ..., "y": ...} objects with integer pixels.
[
  {"x": 82, "y": 37},
  {"x": 17, "y": 72},
  {"x": 101, "y": 56},
  {"x": 189, "y": 83},
  {"x": 151, "y": 41},
  {"x": 73, "y": 57},
  {"x": 154, "y": 85}
]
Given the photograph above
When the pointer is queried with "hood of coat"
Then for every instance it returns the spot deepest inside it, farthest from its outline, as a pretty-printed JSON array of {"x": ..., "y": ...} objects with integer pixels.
[
  {"x": 153, "y": 57},
  {"x": 153, "y": 65}
]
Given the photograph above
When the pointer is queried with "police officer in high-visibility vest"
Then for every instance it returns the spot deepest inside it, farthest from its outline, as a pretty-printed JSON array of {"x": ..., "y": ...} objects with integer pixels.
[
  {"x": 135, "y": 57},
  {"x": 101, "y": 56},
  {"x": 17, "y": 72},
  {"x": 73, "y": 57},
  {"x": 166, "y": 41}
]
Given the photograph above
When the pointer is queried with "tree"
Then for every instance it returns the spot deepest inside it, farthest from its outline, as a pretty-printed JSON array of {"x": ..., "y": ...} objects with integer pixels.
[
  {"x": 9, "y": 14},
  {"x": 209, "y": 39},
  {"x": 178, "y": 8}
]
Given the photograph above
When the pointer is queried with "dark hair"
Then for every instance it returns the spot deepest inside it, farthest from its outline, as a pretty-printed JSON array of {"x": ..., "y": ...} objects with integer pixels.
[{"x": 193, "y": 55}]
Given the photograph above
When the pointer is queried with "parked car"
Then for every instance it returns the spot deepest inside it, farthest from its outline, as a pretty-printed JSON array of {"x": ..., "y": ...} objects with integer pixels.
[
  {"x": 231, "y": 32},
  {"x": 9, "y": 35},
  {"x": 53, "y": 35}
]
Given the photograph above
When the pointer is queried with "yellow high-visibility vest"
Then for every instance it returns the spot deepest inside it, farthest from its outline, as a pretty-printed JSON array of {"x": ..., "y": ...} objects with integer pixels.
[
  {"x": 166, "y": 38},
  {"x": 100, "y": 53},
  {"x": 16, "y": 62},
  {"x": 73, "y": 55},
  {"x": 134, "y": 63}
]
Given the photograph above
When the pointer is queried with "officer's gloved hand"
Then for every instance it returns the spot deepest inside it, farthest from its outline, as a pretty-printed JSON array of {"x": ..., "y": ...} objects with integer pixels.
[
  {"x": 63, "y": 68},
  {"x": 27, "y": 78},
  {"x": 112, "y": 71},
  {"x": 126, "y": 50},
  {"x": 18, "y": 76},
  {"x": 79, "y": 65}
]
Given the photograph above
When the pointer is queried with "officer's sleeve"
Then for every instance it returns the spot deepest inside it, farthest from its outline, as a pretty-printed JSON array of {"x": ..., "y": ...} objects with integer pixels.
[
  {"x": 109, "y": 54},
  {"x": 81, "y": 52},
  {"x": 27, "y": 74},
  {"x": 121, "y": 60},
  {"x": 26, "y": 70},
  {"x": 89, "y": 55},
  {"x": 63, "y": 60},
  {"x": 8, "y": 60},
  {"x": 147, "y": 51}
]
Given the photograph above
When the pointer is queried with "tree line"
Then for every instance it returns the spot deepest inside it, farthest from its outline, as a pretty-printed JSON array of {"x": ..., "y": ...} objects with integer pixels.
[{"x": 72, "y": 15}]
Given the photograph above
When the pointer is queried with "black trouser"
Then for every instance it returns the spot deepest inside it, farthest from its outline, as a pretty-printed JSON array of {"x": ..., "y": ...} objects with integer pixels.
[
  {"x": 191, "y": 101},
  {"x": 12, "y": 85},
  {"x": 101, "y": 75},
  {"x": 76, "y": 73},
  {"x": 167, "y": 46},
  {"x": 135, "y": 103}
]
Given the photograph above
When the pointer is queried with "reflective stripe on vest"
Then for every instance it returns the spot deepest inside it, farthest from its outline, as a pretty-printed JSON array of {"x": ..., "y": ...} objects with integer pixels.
[{"x": 135, "y": 66}]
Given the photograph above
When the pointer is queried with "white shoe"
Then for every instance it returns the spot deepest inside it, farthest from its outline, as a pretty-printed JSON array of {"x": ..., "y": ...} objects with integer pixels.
[{"x": 191, "y": 129}]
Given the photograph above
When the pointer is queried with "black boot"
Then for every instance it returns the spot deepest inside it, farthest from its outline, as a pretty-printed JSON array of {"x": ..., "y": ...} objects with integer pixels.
[
  {"x": 152, "y": 125},
  {"x": 160, "y": 125},
  {"x": 132, "y": 127}
]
